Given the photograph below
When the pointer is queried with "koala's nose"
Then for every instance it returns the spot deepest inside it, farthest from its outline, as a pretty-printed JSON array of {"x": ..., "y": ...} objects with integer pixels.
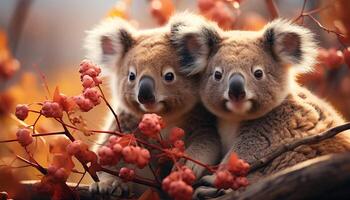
[
  {"x": 236, "y": 90},
  {"x": 146, "y": 90}
]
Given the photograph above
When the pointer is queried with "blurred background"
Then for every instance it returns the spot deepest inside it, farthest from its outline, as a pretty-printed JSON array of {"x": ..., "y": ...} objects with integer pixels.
[{"x": 41, "y": 42}]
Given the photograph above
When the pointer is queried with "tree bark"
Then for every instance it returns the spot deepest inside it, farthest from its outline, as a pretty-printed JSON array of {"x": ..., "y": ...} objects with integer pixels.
[{"x": 326, "y": 177}]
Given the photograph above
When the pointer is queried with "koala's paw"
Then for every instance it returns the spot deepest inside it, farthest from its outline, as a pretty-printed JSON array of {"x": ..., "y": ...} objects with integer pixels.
[
  {"x": 109, "y": 189},
  {"x": 206, "y": 190}
]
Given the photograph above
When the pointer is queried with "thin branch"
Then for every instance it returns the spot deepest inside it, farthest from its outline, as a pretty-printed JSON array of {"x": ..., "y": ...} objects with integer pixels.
[
  {"x": 111, "y": 109},
  {"x": 36, "y": 166},
  {"x": 324, "y": 28},
  {"x": 272, "y": 7},
  {"x": 81, "y": 178},
  {"x": 292, "y": 145},
  {"x": 138, "y": 180},
  {"x": 36, "y": 135},
  {"x": 308, "y": 14}
]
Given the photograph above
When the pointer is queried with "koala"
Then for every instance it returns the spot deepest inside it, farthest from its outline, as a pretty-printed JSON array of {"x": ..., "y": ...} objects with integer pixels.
[
  {"x": 146, "y": 76},
  {"x": 249, "y": 83}
]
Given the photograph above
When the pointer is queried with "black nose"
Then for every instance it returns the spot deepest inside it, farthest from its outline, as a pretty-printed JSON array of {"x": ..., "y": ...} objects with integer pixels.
[
  {"x": 146, "y": 90},
  {"x": 236, "y": 91}
]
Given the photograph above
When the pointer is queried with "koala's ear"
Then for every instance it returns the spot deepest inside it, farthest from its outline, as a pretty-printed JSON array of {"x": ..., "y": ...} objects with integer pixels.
[
  {"x": 290, "y": 44},
  {"x": 107, "y": 43},
  {"x": 195, "y": 39}
]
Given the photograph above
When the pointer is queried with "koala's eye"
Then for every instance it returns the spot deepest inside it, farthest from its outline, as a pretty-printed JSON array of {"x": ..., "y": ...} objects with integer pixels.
[
  {"x": 258, "y": 73},
  {"x": 132, "y": 76},
  {"x": 169, "y": 76},
  {"x": 217, "y": 75}
]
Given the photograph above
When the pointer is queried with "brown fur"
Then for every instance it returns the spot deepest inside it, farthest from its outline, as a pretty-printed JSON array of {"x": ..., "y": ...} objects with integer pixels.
[{"x": 300, "y": 115}]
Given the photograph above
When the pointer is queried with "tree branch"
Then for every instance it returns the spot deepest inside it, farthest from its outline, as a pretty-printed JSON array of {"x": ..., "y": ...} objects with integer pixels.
[
  {"x": 326, "y": 177},
  {"x": 292, "y": 145}
]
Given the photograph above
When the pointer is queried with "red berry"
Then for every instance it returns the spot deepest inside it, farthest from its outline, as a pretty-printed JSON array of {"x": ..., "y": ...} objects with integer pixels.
[
  {"x": 89, "y": 68},
  {"x": 117, "y": 148},
  {"x": 151, "y": 124},
  {"x": 335, "y": 58},
  {"x": 126, "y": 174},
  {"x": 61, "y": 174},
  {"x": 237, "y": 166},
  {"x": 129, "y": 154},
  {"x": 52, "y": 109},
  {"x": 88, "y": 82},
  {"x": 22, "y": 111},
  {"x": 107, "y": 156},
  {"x": 224, "y": 179},
  {"x": 346, "y": 53},
  {"x": 188, "y": 175},
  {"x": 84, "y": 104},
  {"x": 145, "y": 154},
  {"x": 179, "y": 144},
  {"x": 24, "y": 136},
  {"x": 85, "y": 65},
  {"x": 93, "y": 95},
  {"x": 176, "y": 134}
]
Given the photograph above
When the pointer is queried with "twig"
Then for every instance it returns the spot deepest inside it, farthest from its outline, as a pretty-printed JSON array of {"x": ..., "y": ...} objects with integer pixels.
[
  {"x": 271, "y": 6},
  {"x": 292, "y": 145},
  {"x": 81, "y": 178},
  {"x": 111, "y": 109},
  {"x": 135, "y": 180},
  {"x": 36, "y": 135},
  {"x": 324, "y": 28},
  {"x": 308, "y": 14}
]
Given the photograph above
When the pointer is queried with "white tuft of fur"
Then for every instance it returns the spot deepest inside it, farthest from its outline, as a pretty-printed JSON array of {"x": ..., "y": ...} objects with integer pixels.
[
  {"x": 110, "y": 28},
  {"x": 191, "y": 24},
  {"x": 308, "y": 45}
]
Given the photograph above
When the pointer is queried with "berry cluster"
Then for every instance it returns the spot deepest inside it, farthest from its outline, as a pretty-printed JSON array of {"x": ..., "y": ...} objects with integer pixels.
[
  {"x": 232, "y": 175},
  {"x": 223, "y": 12},
  {"x": 151, "y": 125},
  {"x": 123, "y": 147},
  {"x": 24, "y": 136},
  {"x": 179, "y": 184},
  {"x": 89, "y": 76},
  {"x": 22, "y": 111}
]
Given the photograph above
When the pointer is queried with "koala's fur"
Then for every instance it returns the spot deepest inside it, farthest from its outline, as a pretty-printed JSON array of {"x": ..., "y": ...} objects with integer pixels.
[
  {"x": 120, "y": 50},
  {"x": 275, "y": 109}
]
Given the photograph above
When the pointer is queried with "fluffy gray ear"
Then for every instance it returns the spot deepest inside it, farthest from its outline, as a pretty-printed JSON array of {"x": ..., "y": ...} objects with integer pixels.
[
  {"x": 291, "y": 44},
  {"x": 108, "y": 42},
  {"x": 195, "y": 39}
]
